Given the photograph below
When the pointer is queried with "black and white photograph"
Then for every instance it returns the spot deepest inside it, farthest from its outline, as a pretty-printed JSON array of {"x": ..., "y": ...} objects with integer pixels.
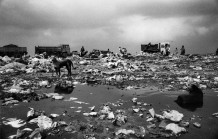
[{"x": 108, "y": 69}]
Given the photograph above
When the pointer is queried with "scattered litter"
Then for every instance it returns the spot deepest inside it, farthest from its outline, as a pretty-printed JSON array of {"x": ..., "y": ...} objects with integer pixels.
[
  {"x": 125, "y": 132},
  {"x": 58, "y": 97},
  {"x": 10, "y": 102},
  {"x": 16, "y": 123},
  {"x": 51, "y": 94},
  {"x": 147, "y": 71},
  {"x": 215, "y": 114},
  {"x": 43, "y": 83},
  {"x": 42, "y": 121},
  {"x": 136, "y": 110},
  {"x": 196, "y": 124},
  {"x": 111, "y": 115},
  {"x": 31, "y": 112},
  {"x": 54, "y": 115},
  {"x": 152, "y": 112},
  {"x": 150, "y": 119},
  {"x": 80, "y": 102},
  {"x": 184, "y": 124},
  {"x": 36, "y": 134},
  {"x": 175, "y": 128},
  {"x": 134, "y": 100},
  {"x": 71, "y": 99},
  {"x": 20, "y": 133},
  {"x": 92, "y": 108},
  {"x": 15, "y": 89},
  {"x": 173, "y": 115},
  {"x": 93, "y": 113},
  {"x": 163, "y": 124}
]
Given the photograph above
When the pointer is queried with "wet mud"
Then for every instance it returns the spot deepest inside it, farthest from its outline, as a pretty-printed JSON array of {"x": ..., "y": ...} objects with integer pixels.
[{"x": 101, "y": 94}]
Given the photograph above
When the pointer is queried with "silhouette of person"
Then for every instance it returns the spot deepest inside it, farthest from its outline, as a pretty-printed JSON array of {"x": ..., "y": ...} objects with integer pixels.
[
  {"x": 176, "y": 51},
  {"x": 167, "y": 50},
  {"x": 182, "y": 50},
  {"x": 82, "y": 51}
]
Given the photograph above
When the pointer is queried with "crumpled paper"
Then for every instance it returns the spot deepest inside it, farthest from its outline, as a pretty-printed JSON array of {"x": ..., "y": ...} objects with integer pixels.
[
  {"x": 14, "y": 122},
  {"x": 42, "y": 121},
  {"x": 175, "y": 128},
  {"x": 173, "y": 115}
]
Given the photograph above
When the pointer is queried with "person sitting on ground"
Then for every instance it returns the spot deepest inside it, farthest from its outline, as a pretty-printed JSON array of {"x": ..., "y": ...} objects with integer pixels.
[{"x": 182, "y": 50}]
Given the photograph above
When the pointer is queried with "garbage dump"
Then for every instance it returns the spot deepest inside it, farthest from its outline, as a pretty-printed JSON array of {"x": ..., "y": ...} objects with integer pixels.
[{"x": 146, "y": 96}]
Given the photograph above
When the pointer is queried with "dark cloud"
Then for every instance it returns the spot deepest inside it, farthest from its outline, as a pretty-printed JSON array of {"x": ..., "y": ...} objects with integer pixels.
[
  {"x": 163, "y": 9},
  {"x": 29, "y": 16},
  {"x": 103, "y": 24}
]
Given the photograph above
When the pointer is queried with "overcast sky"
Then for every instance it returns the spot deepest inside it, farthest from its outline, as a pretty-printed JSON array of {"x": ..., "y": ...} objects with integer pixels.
[{"x": 103, "y": 24}]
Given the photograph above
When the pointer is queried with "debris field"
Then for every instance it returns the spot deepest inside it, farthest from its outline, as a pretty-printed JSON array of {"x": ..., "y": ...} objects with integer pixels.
[{"x": 110, "y": 98}]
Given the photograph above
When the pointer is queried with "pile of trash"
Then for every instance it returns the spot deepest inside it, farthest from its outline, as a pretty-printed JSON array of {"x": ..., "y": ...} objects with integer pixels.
[
  {"x": 21, "y": 90},
  {"x": 39, "y": 65},
  {"x": 166, "y": 73},
  {"x": 34, "y": 64}
]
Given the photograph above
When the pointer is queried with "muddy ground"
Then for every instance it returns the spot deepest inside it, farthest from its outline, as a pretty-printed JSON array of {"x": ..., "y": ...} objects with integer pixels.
[{"x": 152, "y": 87}]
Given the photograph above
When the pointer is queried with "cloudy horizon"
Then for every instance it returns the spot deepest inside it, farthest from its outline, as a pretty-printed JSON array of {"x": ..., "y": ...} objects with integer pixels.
[{"x": 103, "y": 24}]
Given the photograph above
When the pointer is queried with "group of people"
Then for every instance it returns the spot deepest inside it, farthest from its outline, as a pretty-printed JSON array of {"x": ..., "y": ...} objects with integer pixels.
[
  {"x": 182, "y": 51},
  {"x": 124, "y": 51}
]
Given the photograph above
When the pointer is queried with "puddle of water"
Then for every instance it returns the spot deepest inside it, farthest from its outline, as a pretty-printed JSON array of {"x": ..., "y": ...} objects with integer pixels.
[{"x": 98, "y": 95}]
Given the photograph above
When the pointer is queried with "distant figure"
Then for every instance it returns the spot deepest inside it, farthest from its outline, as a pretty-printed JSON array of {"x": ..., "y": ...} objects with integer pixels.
[
  {"x": 120, "y": 49},
  {"x": 108, "y": 51},
  {"x": 82, "y": 51},
  {"x": 45, "y": 55},
  {"x": 123, "y": 51},
  {"x": 182, "y": 50},
  {"x": 167, "y": 50},
  {"x": 176, "y": 51},
  {"x": 217, "y": 51}
]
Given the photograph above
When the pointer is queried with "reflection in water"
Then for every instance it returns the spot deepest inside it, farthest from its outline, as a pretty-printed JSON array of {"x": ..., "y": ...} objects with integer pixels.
[
  {"x": 63, "y": 89},
  {"x": 190, "y": 107}
]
